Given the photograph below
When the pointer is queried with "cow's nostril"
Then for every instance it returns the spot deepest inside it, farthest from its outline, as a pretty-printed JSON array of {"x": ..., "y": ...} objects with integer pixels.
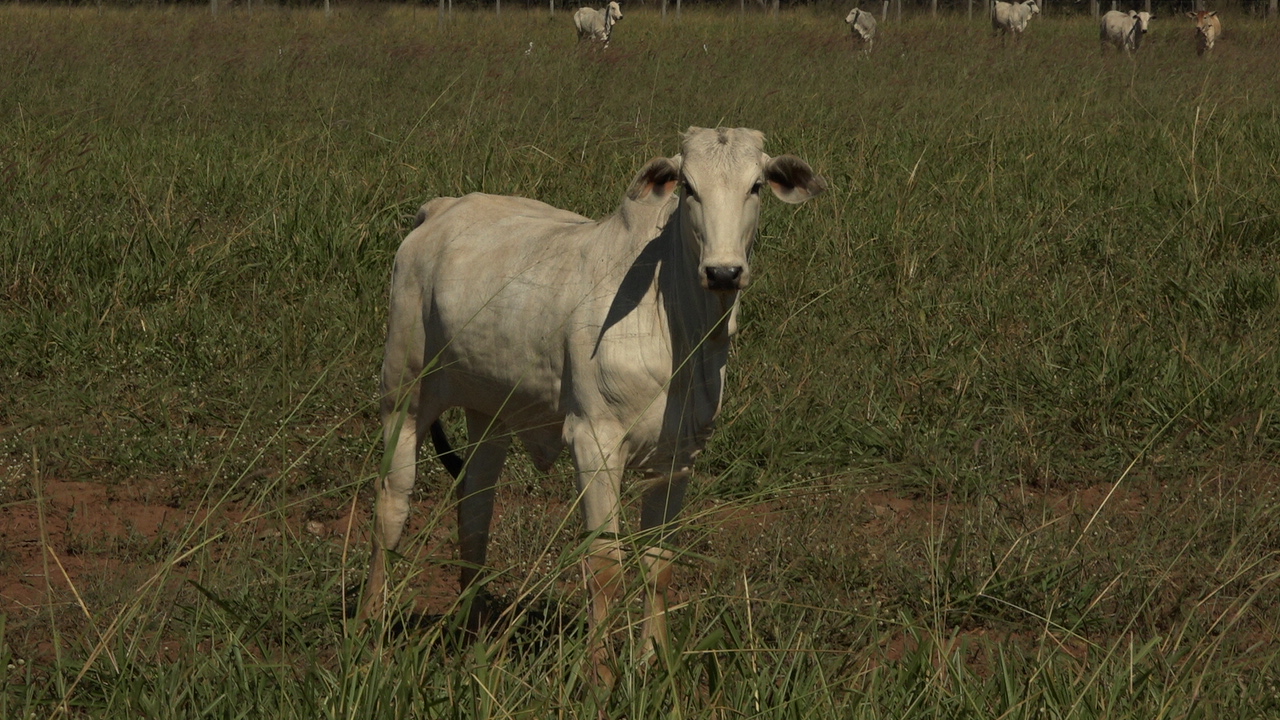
[{"x": 723, "y": 277}]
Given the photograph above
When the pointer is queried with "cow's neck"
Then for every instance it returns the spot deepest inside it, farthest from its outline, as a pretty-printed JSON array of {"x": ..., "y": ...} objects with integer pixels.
[
  {"x": 699, "y": 320},
  {"x": 698, "y": 324}
]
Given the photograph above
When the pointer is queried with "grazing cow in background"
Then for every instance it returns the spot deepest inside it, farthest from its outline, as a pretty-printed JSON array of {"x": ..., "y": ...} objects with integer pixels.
[
  {"x": 862, "y": 25},
  {"x": 1208, "y": 29},
  {"x": 608, "y": 337},
  {"x": 597, "y": 24},
  {"x": 1124, "y": 30},
  {"x": 1013, "y": 17}
]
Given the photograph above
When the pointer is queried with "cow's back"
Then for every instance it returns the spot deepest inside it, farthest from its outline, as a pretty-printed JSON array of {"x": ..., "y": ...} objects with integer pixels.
[
  {"x": 586, "y": 20},
  {"x": 506, "y": 286},
  {"x": 866, "y": 25},
  {"x": 1114, "y": 26},
  {"x": 1000, "y": 15}
]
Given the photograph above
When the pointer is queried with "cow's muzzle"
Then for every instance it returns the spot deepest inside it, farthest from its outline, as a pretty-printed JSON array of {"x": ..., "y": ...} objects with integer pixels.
[{"x": 723, "y": 277}]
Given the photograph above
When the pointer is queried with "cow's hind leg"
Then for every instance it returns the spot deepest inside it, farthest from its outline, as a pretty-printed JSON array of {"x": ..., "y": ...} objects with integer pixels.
[
  {"x": 406, "y": 414},
  {"x": 402, "y": 433},
  {"x": 489, "y": 442},
  {"x": 660, "y": 505}
]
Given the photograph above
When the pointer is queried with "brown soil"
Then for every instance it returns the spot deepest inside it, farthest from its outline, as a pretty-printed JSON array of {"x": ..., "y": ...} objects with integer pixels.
[{"x": 52, "y": 545}]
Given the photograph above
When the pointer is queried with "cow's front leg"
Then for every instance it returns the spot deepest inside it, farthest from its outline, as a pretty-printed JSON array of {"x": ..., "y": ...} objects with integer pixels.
[
  {"x": 600, "y": 455},
  {"x": 661, "y": 503}
]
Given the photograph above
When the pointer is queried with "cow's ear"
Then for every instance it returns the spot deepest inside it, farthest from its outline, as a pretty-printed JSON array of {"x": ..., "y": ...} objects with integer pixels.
[
  {"x": 656, "y": 180},
  {"x": 791, "y": 179},
  {"x": 1191, "y": 15},
  {"x": 1212, "y": 13},
  {"x": 1133, "y": 13}
]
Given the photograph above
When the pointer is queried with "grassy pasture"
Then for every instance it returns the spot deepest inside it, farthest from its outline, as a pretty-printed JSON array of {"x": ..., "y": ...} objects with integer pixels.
[{"x": 1002, "y": 434}]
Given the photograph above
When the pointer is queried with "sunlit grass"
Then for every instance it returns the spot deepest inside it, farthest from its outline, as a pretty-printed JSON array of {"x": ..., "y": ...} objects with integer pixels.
[{"x": 1001, "y": 434}]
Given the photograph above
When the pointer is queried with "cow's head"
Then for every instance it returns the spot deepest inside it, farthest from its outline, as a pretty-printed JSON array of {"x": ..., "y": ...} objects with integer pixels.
[
  {"x": 852, "y": 17},
  {"x": 1202, "y": 19},
  {"x": 613, "y": 11},
  {"x": 722, "y": 173},
  {"x": 1032, "y": 6},
  {"x": 1142, "y": 21}
]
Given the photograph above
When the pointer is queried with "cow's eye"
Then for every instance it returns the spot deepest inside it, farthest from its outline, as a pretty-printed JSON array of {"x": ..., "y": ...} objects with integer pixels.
[
  {"x": 755, "y": 189},
  {"x": 693, "y": 194}
]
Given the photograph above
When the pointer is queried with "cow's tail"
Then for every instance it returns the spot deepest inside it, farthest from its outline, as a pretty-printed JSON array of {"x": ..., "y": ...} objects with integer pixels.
[{"x": 450, "y": 459}]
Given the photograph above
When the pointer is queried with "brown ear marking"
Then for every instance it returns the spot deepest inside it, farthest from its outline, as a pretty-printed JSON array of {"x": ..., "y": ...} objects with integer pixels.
[
  {"x": 656, "y": 180},
  {"x": 792, "y": 180}
]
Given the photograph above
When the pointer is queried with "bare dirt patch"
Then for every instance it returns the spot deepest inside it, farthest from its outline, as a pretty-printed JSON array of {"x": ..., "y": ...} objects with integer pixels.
[{"x": 976, "y": 569}]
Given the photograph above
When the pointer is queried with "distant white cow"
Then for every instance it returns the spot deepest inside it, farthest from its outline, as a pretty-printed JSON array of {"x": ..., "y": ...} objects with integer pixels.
[
  {"x": 862, "y": 25},
  {"x": 1124, "y": 30},
  {"x": 1013, "y": 17},
  {"x": 597, "y": 24},
  {"x": 608, "y": 337},
  {"x": 1208, "y": 29}
]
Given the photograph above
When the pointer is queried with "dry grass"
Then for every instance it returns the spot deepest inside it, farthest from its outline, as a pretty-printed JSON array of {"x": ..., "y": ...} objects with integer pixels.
[{"x": 1001, "y": 439}]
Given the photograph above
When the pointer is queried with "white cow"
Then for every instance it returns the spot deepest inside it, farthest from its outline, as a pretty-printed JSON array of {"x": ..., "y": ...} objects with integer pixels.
[
  {"x": 1124, "y": 30},
  {"x": 1208, "y": 29},
  {"x": 863, "y": 26},
  {"x": 597, "y": 24},
  {"x": 608, "y": 337},
  {"x": 1013, "y": 17}
]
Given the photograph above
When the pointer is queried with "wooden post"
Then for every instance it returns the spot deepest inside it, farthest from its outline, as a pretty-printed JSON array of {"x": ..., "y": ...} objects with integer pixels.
[
  {"x": 677, "y": 9},
  {"x": 899, "y": 12},
  {"x": 1093, "y": 8},
  {"x": 213, "y": 7},
  {"x": 933, "y": 7},
  {"x": 498, "y": 6},
  {"x": 664, "y": 9},
  {"x": 970, "y": 10},
  {"x": 884, "y": 13}
]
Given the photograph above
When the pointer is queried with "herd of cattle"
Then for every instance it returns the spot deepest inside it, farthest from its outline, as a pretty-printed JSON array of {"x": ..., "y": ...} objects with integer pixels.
[{"x": 1124, "y": 30}]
